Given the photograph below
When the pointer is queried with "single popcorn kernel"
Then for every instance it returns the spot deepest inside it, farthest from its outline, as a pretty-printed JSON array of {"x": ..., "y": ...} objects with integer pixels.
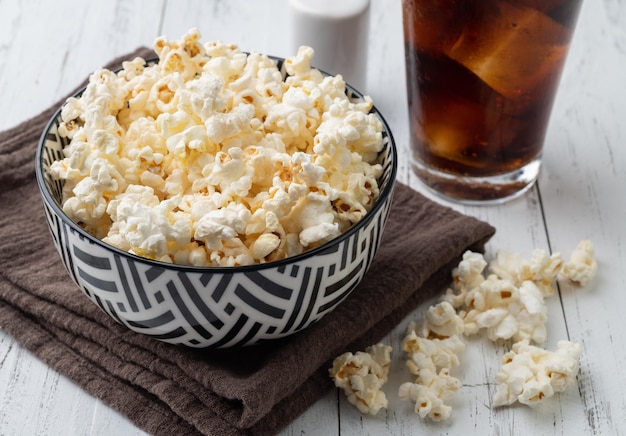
[
  {"x": 466, "y": 276},
  {"x": 362, "y": 375},
  {"x": 581, "y": 268},
  {"x": 265, "y": 245},
  {"x": 441, "y": 321},
  {"x": 224, "y": 136}
]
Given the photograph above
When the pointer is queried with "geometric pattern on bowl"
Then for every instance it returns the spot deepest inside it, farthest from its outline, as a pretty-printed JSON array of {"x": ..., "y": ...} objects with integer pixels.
[{"x": 212, "y": 306}]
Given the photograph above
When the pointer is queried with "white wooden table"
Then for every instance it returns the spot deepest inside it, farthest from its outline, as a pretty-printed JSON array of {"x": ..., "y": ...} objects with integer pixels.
[{"x": 47, "y": 47}]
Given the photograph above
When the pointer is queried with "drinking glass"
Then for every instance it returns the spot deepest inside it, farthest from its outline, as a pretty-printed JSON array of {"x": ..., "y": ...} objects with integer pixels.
[{"x": 482, "y": 76}]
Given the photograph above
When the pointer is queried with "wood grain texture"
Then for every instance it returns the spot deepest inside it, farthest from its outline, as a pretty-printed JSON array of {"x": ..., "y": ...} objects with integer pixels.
[{"x": 46, "y": 48}]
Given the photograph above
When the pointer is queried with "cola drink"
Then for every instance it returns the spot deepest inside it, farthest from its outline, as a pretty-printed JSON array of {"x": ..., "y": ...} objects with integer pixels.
[{"x": 482, "y": 76}]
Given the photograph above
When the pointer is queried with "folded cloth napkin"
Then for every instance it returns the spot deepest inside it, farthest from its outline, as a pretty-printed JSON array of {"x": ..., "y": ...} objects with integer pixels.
[{"x": 170, "y": 390}]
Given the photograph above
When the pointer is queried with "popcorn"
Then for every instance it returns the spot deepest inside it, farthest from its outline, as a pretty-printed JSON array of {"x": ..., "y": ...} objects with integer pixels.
[
  {"x": 466, "y": 276},
  {"x": 145, "y": 226},
  {"x": 541, "y": 268},
  {"x": 505, "y": 311},
  {"x": 429, "y": 398},
  {"x": 431, "y": 353},
  {"x": 441, "y": 321},
  {"x": 300, "y": 65},
  {"x": 316, "y": 219},
  {"x": 530, "y": 374},
  {"x": 508, "y": 304},
  {"x": 221, "y": 225},
  {"x": 581, "y": 268},
  {"x": 430, "y": 359},
  {"x": 255, "y": 166},
  {"x": 361, "y": 376},
  {"x": 264, "y": 245}
]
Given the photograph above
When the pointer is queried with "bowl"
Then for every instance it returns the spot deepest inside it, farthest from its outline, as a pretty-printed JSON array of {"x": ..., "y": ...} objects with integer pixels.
[{"x": 214, "y": 307}]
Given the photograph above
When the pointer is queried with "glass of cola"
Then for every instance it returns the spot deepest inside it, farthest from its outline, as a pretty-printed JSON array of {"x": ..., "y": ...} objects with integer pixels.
[{"x": 482, "y": 76}]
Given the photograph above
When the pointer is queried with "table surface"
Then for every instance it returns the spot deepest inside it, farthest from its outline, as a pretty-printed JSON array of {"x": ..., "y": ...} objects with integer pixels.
[{"x": 46, "y": 48}]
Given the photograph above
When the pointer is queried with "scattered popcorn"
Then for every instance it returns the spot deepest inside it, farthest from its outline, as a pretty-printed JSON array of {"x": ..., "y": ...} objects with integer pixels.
[
  {"x": 581, "y": 268},
  {"x": 430, "y": 359},
  {"x": 530, "y": 374},
  {"x": 542, "y": 268},
  {"x": 211, "y": 158},
  {"x": 431, "y": 354},
  {"x": 362, "y": 375},
  {"x": 506, "y": 311},
  {"x": 441, "y": 321},
  {"x": 508, "y": 303},
  {"x": 429, "y": 398},
  {"x": 466, "y": 276}
]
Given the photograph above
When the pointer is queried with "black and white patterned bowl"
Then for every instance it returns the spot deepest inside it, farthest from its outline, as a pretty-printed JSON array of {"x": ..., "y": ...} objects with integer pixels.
[{"x": 214, "y": 307}]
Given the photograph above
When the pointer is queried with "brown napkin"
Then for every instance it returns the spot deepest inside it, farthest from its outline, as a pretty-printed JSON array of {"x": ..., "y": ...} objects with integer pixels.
[{"x": 171, "y": 390}]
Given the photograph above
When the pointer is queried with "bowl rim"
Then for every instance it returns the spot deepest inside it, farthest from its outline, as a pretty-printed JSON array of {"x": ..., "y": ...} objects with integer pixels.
[{"x": 383, "y": 196}]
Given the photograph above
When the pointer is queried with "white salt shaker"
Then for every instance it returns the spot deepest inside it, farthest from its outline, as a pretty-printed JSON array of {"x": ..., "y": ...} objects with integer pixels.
[{"x": 338, "y": 31}]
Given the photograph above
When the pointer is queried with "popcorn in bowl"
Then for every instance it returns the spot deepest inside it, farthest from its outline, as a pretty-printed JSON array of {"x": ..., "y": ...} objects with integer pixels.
[
  {"x": 210, "y": 157},
  {"x": 173, "y": 235}
]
